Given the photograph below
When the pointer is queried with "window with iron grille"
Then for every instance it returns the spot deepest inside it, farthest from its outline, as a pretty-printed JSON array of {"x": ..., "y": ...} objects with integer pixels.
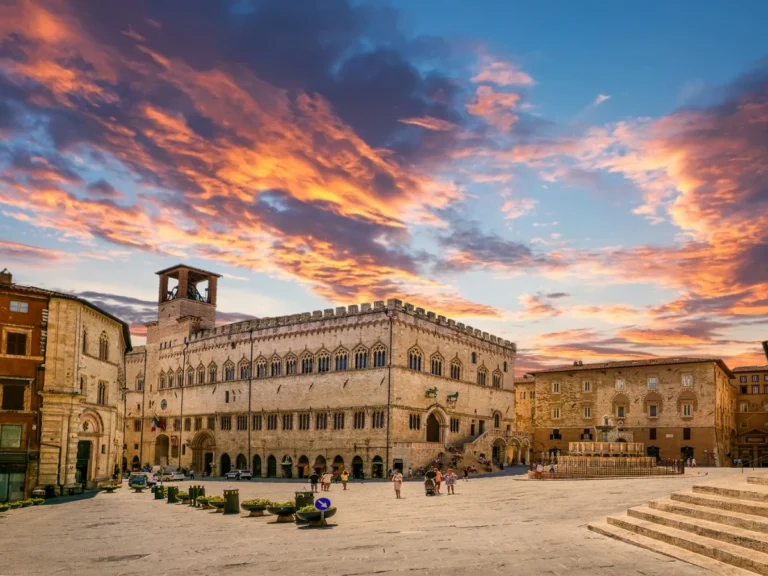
[
  {"x": 414, "y": 421},
  {"x": 272, "y": 422},
  {"x": 226, "y": 422},
  {"x": 455, "y": 425},
  {"x": 303, "y": 421},
  {"x": 176, "y": 424},
  {"x": 321, "y": 421},
  {"x": 137, "y": 425},
  {"x": 359, "y": 420},
  {"x": 187, "y": 424},
  {"x": 338, "y": 421},
  {"x": 257, "y": 421},
  {"x": 287, "y": 421},
  {"x": 211, "y": 422},
  {"x": 242, "y": 422},
  {"x": 198, "y": 422},
  {"x": 377, "y": 419}
]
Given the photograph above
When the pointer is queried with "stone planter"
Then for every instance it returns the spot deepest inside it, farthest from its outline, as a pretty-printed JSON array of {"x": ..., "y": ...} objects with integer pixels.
[
  {"x": 4, "y": 509},
  {"x": 37, "y": 501},
  {"x": 15, "y": 505},
  {"x": 256, "y": 510},
  {"x": 138, "y": 488},
  {"x": 283, "y": 513},
  {"x": 219, "y": 503},
  {"x": 26, "y": 503},
  {"x": 317, "y": 518},
  {"x": 202, "y": 501}
]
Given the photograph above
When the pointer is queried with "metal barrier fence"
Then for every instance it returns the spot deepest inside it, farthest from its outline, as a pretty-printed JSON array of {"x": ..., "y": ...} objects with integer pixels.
[{"x": 622, "y": 467}]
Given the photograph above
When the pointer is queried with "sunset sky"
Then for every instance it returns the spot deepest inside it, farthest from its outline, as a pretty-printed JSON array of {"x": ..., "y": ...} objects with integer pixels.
[{"x": 587, "y": 179}]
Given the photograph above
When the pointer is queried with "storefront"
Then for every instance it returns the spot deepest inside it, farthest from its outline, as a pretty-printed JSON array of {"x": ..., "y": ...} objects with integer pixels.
[{"x": 13, "y": 475}]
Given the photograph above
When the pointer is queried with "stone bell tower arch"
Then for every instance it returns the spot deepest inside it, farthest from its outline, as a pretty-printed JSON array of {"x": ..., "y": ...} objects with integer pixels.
[{"x": 185, "y": 291}]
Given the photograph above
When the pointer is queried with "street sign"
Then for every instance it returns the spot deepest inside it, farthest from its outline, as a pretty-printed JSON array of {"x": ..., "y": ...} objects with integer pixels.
[{"x": 323, "y": 504}]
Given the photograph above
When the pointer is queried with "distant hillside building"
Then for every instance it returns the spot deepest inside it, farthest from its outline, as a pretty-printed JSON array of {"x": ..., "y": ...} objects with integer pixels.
[
  {"x": 365, "y": 387},
  {"x": 61, "y": 375}
]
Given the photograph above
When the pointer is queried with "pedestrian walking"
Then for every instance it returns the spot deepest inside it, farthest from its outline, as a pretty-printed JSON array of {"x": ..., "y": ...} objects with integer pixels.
[
  {"x": 191, "y": 474},
  {"x": 438, "y": 480},
  {"x": 397, "y": 480},
  {"x": 466, "y": 474},
  {"x": 450, "y": 480},
  {"x": 314, "y": 478},
  {"x": 327, "y": 477},
  {"x": 344, "y": 478},
  {"x": 539, "y": 471}
]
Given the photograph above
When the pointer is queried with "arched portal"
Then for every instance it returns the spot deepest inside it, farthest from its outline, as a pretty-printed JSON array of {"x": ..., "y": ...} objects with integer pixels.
[
  {"x": 377, "y": 467},
  {"x": 226, "y": 464},
  {"x": 357, "y": 467},
  {"x": 498, "y": 449},
  {"x": 162, "y": 444},
  {"x": 271, "y": 466},
  {"x": 135, "y": 463},
  {"x": 203, "y": 447},
  {"x": 433, "y": 428},
  {"x": 256, "y": 466},
  {"x": 302, "y": 468},
  {"x": 338, "y": 464},
  {"x": 320, "y": 465},
  {"x": 241, "y": 462},
  {"x": 287, "y": 465},
  {"x": 513, "y": 454}
]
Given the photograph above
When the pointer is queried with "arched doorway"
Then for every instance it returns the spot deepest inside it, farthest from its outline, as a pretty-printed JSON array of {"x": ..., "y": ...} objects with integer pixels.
[
  {"x": 357, "y": 468},
  {"x": 226, "y": 464},
  {"x": 83, "y": 462},
  {"x": 203, "y": 447},
  {"x": 338, "y": 464},
  {"x": 302, "y": 468},
  {"x": 287, "y": 465},
  {"x": 271, "y": 466},
  {"x": 513, "y": 453},
  {"x": 686, "y": 452},
  {"x": 498, "y": 449},
  {"x": 125, "y": 464},
  {"x": 653, "y": 452},
  {"x": 135, "y": 464},
  {"x": 256, "y": 466},
  {"x": 433, "y": 428},
  {"x": 162, "y": 444},
  {"x": 320, "y": 465},
  {"x": 241, "y": 462},
  {"x": 377, "y": 467}
]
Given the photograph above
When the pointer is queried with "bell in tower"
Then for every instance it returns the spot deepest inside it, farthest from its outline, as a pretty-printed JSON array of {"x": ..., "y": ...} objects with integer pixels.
[{"x": 187, "y": 291}]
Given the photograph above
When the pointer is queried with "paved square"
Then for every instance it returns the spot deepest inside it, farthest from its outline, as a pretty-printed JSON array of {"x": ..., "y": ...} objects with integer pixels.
[{"x": 496, "y": 525}]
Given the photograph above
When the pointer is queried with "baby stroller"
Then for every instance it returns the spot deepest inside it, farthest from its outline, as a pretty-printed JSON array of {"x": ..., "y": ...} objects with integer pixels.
[{"x": 429, "y": 487}]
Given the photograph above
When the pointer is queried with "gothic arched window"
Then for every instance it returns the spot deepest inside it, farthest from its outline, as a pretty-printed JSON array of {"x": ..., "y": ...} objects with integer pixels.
[
  {"x": 361, "y": 358},
  {"x": 414, "y": 359},
  {"x": 436, "y": 365},
  {"x": 341, "y": 360},
  {"x": 379, "y": 356}
]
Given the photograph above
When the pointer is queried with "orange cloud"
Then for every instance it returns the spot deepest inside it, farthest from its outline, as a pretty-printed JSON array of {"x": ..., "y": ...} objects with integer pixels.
[{"x": 497, "y": 108}]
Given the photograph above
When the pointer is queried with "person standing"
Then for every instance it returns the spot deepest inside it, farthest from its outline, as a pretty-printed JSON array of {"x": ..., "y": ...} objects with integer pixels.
[
  {"x": 438, "y": 480},
  {"x": 327, "y": 477},
  {"x": 539, "y": 471},
  {"x": 344, "y": 478},
  {"x": 314, "y": 478},
  {"x": 397, "y": 480},
  {"x": 450, "y": 480},
  {"x": 466, "y": 474}
]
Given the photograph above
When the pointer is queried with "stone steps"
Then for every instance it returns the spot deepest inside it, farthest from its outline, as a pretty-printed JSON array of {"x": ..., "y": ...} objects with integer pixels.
[
  {"x": 723, "y": 528},
  {"x": 737, "y": 519},
  {"x": 757, "y": 480},
  {"x": 730, "y": 504}
]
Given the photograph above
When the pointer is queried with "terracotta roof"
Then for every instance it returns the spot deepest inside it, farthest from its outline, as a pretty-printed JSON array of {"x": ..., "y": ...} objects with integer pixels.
[
  {"x": 525, "y": 380},
  {"x": 53, "y": 294},
  {"x": 751, "y": 368},
  {"x": 632, "y": 363},
  {"x": 190, "y": 268}
]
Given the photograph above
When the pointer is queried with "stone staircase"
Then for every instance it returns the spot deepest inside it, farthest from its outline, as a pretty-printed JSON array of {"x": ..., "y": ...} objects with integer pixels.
[{"x": 721, "y": 527}]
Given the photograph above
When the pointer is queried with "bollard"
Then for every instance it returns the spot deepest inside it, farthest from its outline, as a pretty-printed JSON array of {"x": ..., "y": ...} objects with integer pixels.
[
  {"x": 200, "y": 491},
  {"x": 233, "y": 502},
  {"x": 172, "y": 491},
  {"x": 192, "y": 495},
  {"x": 159, "y": 493}
]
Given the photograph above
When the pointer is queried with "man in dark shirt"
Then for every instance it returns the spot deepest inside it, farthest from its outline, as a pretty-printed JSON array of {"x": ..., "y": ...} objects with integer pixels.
[{"x": 314, "y": 478}]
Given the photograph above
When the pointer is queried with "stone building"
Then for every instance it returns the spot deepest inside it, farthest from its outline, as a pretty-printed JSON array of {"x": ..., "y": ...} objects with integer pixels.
[
  {"x": 677, "y": 407},
  {"x": 61, "y": 374},
  {"x": 364, "y": 387},
  {"x": 751, "y": 384},
  {"x": 525, "y": 404}
]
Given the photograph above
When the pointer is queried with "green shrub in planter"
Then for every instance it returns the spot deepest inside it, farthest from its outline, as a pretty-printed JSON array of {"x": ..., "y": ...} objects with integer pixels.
[
  {"x": 203, "y": 501},
  {"x": 283, "y": 510},
  {"x": 26, "y": 503},
  {"x": 38, "y": 501},
  {"x": 315, "y": 517},
  {"x": 217, "y": 502},
  {"x": 110, "y": 488},
  {"x": 15, "y": 504},
  {"x": 4, "y": 507},
  {"x": 183, "y": 496},
  {"x": 256, "y": 507}
]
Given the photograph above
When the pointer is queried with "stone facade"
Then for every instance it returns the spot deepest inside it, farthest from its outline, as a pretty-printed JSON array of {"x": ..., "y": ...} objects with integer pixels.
[
  {"x": 751, "y": 440},
  {"x": 677, "y": 407},
  {"x": 367, "y": 387},
  {"x": 73, "y": 401},
  {"x": 525, "y": 404}
]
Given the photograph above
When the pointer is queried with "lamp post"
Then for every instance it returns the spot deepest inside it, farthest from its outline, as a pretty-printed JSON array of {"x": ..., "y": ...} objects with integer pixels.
[{"x": 124, "y": 392}]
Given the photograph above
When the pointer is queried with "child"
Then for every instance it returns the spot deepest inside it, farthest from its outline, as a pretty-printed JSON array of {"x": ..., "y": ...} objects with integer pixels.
[{"x": 450, "y": 481}]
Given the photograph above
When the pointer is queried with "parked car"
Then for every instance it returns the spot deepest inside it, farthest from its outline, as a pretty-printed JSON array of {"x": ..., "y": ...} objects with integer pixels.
[
  {"x": 238, "y": 475},
  {"x": 146, "y": 478},
  {"x": 171, "y": 475}
]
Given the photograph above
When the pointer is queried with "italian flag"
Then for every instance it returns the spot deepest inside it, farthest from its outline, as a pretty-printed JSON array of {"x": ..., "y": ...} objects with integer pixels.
[{"x": 155, "y": 423}]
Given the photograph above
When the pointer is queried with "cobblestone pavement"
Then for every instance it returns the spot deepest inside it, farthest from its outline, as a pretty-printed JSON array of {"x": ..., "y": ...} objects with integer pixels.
[{"x": 494, "y": 525}]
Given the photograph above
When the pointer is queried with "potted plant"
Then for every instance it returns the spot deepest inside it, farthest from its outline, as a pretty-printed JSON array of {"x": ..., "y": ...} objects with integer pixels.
[
  {"x": 203, "y": 502},
  {"x": 26, "y": 503},
  {"x": 315, "y": 517},
  {"x": 217, "y": 502},
  {"x": 283, "y": 510},
  {"x": 38, "y": 501},
  {"x": 4, "y": 507},
  {"x": 137, "y": 488},
  {"x": 255, "y": 507},
  {"x": 183, "y": 497},
  {"x": 110, "y": 488},
  {"x": 15, "y": 504}
]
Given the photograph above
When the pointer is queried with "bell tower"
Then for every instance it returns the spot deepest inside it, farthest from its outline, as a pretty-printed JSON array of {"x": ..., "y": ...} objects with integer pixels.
[{"x": 185, "y": 291}]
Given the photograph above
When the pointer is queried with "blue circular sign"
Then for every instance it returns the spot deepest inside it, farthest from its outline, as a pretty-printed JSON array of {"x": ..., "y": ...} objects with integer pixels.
[{"x": 323, "y": 504}]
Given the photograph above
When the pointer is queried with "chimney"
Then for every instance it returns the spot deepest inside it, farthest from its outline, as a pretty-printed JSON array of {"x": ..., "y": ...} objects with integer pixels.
[{"x": 6, "y": 278}]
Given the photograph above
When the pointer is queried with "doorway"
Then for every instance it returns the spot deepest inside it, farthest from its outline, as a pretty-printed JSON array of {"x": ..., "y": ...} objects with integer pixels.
[
  {"x": 257, "y": 466},
  {"x": 377, "y": 467},
  {"x": 241, "y": 463},
  {"x": 161, "y": 450},
  {"x": 338, "y": 464},
  {"x": 357, "y": 468},
  {"x": 226, "y": 464},
  {"x": 12, "y": 485},
  {"x": 481, "y": 427},
  {"x": 433, "y": 428},
  {"x": 302, "y": 468},
  {"x": 83, "y": 460},
  {"x": 686, "y": 452},
  {"x": 208, "y": 459},
  {"x": 653, "y": 452},
  {"x": 271, "y": 466}
]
